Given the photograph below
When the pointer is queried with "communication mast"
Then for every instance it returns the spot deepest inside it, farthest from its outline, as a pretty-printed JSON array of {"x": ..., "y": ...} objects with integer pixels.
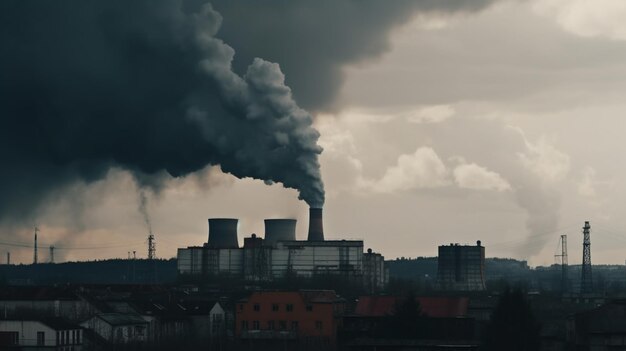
[
  {"x": 35, "y": 251},
  {"x": 151, "y": 247},
  {"x": 562, "y": 259},
  {"x": 586, "y": 282}
]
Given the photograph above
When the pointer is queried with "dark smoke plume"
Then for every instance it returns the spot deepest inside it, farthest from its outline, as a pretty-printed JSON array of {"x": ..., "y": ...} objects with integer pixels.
[{"x": 144, "y": 85}]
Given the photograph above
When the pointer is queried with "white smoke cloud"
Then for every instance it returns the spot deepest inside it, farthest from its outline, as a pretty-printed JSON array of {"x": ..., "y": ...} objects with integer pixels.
[
  {"x": 422, "y": 169},
  {"x": 475, "y": 177},
  {"x": 431, "y": 114},
  {"x": 598, "y": 18}
]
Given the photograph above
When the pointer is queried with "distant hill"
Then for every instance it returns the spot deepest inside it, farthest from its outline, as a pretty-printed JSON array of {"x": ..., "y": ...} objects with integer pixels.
[{"x": 115, "y": 271}]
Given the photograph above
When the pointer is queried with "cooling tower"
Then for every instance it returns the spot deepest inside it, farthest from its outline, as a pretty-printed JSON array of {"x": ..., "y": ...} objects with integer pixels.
[
  {"x": 223, "y": 233},
  {"x": 280, "y": 230},
  {"x": 316, "y": 225}
]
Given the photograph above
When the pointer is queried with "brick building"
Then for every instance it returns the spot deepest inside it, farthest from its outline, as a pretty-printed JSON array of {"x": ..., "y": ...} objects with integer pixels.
[{"x": 311, "y": 316}]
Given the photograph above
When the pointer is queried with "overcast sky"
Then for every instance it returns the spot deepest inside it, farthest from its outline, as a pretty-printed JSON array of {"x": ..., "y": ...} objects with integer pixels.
[{"x": 501, "y": 123}]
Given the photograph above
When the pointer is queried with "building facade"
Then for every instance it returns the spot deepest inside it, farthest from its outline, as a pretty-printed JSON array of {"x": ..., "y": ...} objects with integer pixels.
[
  {"x": 308, "y": 315},
  {"x": 461, "y": 267},
  {"x": 266, "y": 260},
  {"x": 52, "y": 334}
]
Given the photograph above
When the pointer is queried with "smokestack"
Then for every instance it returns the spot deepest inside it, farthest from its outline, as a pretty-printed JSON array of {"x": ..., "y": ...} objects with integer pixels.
[
  {"x": 223, "y": 233},
  {"x": 280, "y": 230},
  {"x": 316, "y": 225}
]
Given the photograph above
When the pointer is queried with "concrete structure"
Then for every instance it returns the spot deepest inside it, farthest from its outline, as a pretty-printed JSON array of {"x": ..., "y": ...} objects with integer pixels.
[
  {"x": 461, "y": 267},
  {"x": 296, "y": 315},
  {"x": 263, "y": 260},
  {"x": 316, "y": 225},
  {"x": 375, "y": 272},
  {"x": 279, "y": 230},
  {"x": 50, "y": 334},
  {"x": 223, "y": 233},
  {"x": 118, "y": 328}
]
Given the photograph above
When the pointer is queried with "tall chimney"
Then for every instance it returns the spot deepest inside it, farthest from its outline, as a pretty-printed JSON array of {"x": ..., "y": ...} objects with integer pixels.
[
  {"x": 223, "y": 233},
  {"x": 316, "y": 225}
]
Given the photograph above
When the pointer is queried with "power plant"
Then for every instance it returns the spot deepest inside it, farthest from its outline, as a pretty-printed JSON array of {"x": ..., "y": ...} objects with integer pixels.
[
  {"x": 461, "y": 267},
  {"x": 279, "y": 254}
]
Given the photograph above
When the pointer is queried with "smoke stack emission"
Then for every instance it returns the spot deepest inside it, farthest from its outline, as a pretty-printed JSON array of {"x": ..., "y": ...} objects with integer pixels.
[
  {"x": 316, "y": 225},
  {"x": 223, "y": 233}
]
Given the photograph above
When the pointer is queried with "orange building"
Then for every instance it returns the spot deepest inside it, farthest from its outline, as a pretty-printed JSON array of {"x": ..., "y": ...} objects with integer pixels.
[{"x": 311, "y": 315}]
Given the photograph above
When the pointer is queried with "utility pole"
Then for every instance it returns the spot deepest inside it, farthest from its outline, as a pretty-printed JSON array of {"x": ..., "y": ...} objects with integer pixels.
[
  {"x": 51, "y": 253},
  {"x": 35, "y": 251},
  {"x": 8, "y": 257},
  {"x": 586, "y": 282}
]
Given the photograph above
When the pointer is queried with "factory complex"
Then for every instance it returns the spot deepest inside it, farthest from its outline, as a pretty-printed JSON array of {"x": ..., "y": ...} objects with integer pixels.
[{"x": 279, "y": 254}]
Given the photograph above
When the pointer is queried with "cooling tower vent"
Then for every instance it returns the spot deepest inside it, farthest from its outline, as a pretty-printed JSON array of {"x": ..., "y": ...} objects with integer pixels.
[
  {"x": 280, "y": 230},
  {"x": 223, "y": 233}
]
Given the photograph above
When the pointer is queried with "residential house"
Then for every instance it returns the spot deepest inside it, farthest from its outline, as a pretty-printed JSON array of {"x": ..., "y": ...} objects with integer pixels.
[
  {"x": 48, "y": 334},
  {"x": 118, "y": 328},
  {"x": 309, "y": 316}
]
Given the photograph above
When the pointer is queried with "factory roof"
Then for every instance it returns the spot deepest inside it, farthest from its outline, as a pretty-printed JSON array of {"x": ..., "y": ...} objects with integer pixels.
[
  {"x": 121, "y": 318},
  {"x": 436, "y": 307}
]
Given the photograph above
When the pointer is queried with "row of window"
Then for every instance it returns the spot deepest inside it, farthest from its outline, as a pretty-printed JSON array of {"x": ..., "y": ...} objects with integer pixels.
[
  {"x": 276, "y": 307},
  {"x": 63, "y": 337},
  {"x": 271, "y": 325}
]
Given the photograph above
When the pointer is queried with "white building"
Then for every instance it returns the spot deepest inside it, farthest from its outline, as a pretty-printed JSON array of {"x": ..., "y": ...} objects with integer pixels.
[{"x": 52, "y": 334}]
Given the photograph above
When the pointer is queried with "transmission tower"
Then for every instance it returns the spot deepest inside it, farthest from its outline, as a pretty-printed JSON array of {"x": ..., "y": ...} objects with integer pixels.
[
  {"x": 586, "y": 283},
  {"x": 562, "y": 259},
  {"x": 35, "y": 251},
  {"x": 51, "y": 253},
  {"x": 151, "y": 247}
]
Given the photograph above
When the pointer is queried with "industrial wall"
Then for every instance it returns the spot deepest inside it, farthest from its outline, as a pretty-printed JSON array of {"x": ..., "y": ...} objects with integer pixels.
[{"x": 256, "y": 261}]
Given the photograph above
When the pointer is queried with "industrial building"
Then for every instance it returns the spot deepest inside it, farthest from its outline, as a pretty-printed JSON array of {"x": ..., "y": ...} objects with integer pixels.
[
  {"x": 279, "y": 254},
  {"x": 461, "y": 267}
]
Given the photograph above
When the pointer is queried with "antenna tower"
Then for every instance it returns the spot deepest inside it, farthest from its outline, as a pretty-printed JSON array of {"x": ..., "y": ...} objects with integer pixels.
[
  {"x": 151, "y": 247},
  {"x": 562, "y": 259},
  {"x": 586, "y": 283},
  {"x": 35, "y": 251},
  {"x": 51, "y": 253}
]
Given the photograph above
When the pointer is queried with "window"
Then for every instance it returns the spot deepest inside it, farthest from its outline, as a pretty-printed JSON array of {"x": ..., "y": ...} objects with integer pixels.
[
  {"x": 274, "y": 307},
  {"x": 244, "y": 325},
  {"x": 309, "y": 308},
  {"x": 41, "y": 338},
  {"x": 256, "y": 325},
  {"x": 10, "y": 338},
  {"x": 270, "y": 325},
  {"x": 294, "y": 325},
  {"x": 289, "y": 307},
  {"x": 139, "y": 330},
  {"x": 62, "y": 338},
  {"x": 282, "y": 325},
  {"x": 78, "y": 336},
  {"x": 257, "y": 307},
  {"x": 318, "y": 325}
]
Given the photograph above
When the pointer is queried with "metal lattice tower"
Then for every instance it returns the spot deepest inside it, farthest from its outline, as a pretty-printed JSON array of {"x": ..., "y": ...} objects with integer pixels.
[
  {"x": 35, "y": 248},
  {"x": 562, "y": 260},
  {"x": 51, "y": 253},
  {"x": 151, "y": 247},
  {"x": 586, "y": 282}
]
